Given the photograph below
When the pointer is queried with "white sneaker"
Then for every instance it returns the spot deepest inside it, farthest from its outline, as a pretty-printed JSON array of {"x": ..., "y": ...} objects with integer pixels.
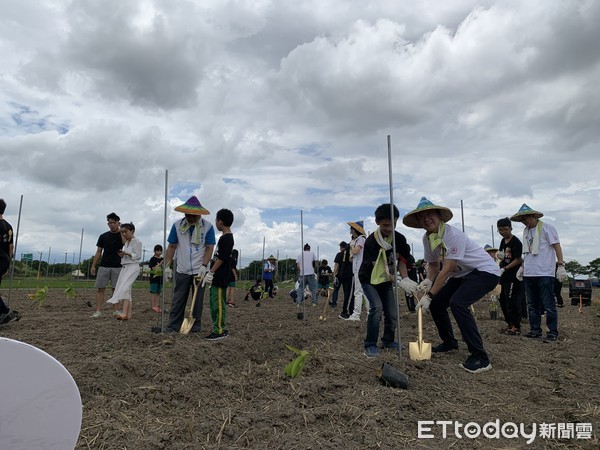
[
  {"x": 96, "y": 315},
  {"x": 117, "y": 313},
  {"x": 354, "y": 318}
]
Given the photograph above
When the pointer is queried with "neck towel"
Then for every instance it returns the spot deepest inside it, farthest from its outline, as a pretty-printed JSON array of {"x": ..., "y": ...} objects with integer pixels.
[
  {"x": 196, "y": 230},
  {"x": 381, "y": 272},
  {"x": 532, "y": 237},
  {"x": 435, "y": 239}
]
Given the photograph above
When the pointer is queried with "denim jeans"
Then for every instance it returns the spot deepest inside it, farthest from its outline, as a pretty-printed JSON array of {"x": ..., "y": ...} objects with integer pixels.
[
  {"x": 540, "y": 297},
  {"x": 381, "y": 302},
  {"x": 311, "y": 281}
]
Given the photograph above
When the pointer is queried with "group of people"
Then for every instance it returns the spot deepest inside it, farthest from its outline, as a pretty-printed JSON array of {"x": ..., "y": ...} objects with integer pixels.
[
  {"x": 201, "y": 263},
  {"x": 460, "y": 273},
  {"x": 456, "y": 273}
]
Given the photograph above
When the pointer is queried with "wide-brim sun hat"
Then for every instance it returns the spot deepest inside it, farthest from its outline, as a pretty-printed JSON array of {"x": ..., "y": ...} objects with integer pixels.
[
  {"x": 523, "y": 211},
  {"x": 410, "y": 219},
  {"x": 489, "y": 248},
  {"x": 193, "y": 207},
  {"x": 358, "y": 226}
]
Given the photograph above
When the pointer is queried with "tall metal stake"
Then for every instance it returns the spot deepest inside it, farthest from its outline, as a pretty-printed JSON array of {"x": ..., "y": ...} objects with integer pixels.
[
  {"x": 302, "y": 269},
  {"x": 394, "y": 257},
  {"x": 162, "y": 296},
  {"x": 12, "y": 262}
]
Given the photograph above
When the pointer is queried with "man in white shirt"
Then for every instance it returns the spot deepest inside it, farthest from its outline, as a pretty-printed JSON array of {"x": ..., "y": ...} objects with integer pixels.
[
  {"x": 307, "y": 276},
  {"x": 542, "y": 261}
]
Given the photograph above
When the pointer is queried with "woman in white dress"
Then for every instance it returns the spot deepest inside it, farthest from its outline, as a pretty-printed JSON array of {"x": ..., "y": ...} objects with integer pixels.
[{"x": 131, "y": 255}]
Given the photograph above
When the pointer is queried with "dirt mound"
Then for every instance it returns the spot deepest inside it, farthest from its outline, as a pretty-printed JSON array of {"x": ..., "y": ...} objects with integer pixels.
[{"x": 142, "y": 390}]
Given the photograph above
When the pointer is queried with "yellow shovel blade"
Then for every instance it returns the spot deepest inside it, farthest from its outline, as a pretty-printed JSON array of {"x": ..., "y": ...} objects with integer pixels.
[
  {"x": 419, "y": 351},
  {"x": 188, "y": 322}
]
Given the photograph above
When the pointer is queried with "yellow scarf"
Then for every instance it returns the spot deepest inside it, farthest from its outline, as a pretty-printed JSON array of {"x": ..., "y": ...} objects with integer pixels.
[
  {"x": 184, "y": 226},
  {"x": 435, "y": 239},
  {"x": 381, "y": 272}
]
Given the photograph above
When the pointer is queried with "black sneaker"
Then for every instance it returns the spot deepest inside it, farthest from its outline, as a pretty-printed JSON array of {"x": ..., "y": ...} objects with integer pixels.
[
  {"x": 344, "y": 316},
  {"x": 473, "y": 364},
  {"x": 444, "y": 347},
  {"x": 216, "y": 336},
  {"x": 533, "y": 335},
  {"x": 551, "y": 338}
]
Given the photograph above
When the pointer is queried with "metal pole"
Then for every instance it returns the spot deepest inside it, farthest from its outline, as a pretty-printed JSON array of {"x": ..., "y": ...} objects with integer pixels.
[
  {"x": 162, "y": 297},
  {"x": 12, "y": 260},
  {"x": 80, "y": 247},
  {"x": 48, "y": 266},
  {"x": 462, "y": 216},
  {"x": 302, "y": 262},
  {"x": 394, "y": 258},
  {"x": 493, "y": 244},
  {"x": 39, "y": 265}
]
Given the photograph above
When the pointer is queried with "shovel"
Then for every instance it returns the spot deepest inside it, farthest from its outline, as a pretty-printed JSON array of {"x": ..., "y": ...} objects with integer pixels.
[
  {"x": 419, "y": 351},
  {"x": 323, "y": 316},
  {"x": 188, "y": 322}
]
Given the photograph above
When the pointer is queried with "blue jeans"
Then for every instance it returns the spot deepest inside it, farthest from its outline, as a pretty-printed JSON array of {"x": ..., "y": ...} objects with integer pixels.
[
  {"x": 311, "y": 281},
  {"x": 540, "y": 297},
  {"x": 381, "y": 302}
]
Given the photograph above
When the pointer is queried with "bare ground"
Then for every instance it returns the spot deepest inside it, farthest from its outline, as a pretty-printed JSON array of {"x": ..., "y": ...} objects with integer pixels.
[{"x": 142, "y": 390}]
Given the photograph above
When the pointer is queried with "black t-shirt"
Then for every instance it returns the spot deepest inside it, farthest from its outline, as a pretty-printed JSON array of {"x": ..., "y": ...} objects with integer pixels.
[
  {"x": 110, "y": 243},
  {"x": 6, "y": 236},
  {"x": 371, "y": 251},
  {"x": 512, "y": 250},
  {"x": 223, "y": 276},
  {"x": 344, "y": 263},
  {"x": 154, "y": 261},
  {"x": 324, "y": 271},
  {"x": 6, "y": 240}
]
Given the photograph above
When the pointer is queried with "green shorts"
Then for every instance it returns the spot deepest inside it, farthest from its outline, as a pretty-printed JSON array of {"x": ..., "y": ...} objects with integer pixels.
[
  {"x": 232, "y": 284},
  {"x": 155, "y": 288}
]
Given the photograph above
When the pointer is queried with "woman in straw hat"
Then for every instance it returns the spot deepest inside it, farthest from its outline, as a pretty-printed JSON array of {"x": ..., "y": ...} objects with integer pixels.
[
  {"x": 460, "y": 273},
  {"x": 542, "y": 260}
]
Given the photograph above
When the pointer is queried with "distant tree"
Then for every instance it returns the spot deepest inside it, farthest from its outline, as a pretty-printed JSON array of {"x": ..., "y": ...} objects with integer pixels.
[
  {"x": 574, "y": 268},
  {"x": 593, "y": 268}
]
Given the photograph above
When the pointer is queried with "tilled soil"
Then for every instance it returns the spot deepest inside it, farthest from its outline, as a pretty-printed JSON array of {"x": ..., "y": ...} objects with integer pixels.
[{"x": 143, "y": 390}]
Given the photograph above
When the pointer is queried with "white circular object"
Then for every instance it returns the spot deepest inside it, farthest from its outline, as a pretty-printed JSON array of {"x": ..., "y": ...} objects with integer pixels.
[{"x": 40, "y": 405}]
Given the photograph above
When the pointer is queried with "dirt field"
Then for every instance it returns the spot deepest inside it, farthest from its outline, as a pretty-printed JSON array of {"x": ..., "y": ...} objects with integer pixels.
[{"x": 142, "y": 390}]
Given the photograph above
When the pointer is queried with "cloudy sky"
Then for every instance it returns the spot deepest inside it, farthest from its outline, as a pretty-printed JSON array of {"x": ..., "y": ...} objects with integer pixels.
[{"x": 279, "y": 110}]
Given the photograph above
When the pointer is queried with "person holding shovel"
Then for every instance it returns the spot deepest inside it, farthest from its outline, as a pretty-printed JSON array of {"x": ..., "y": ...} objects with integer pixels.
[
  {"x": 376, "y": 279},
  {"x": 467, "y": 273},
  {"x": 191, "y": 241}
]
